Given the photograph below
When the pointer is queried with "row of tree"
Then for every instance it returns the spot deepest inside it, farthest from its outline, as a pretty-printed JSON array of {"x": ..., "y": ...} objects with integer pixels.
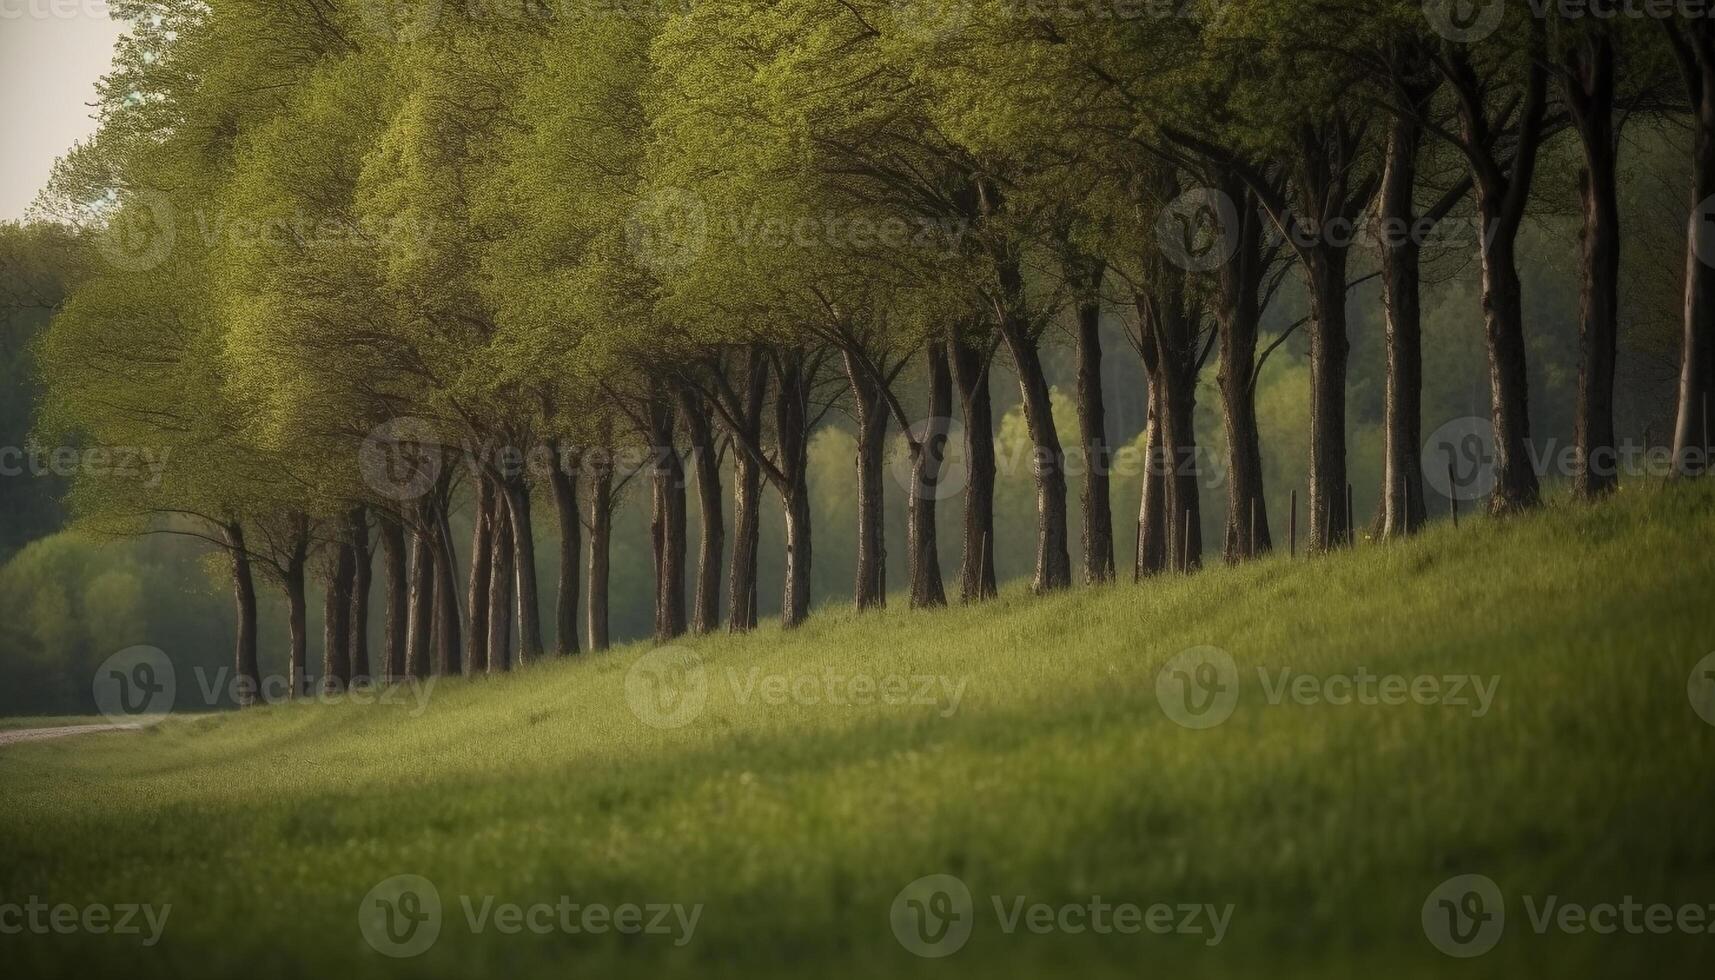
[{"x": 331, "y": 232}]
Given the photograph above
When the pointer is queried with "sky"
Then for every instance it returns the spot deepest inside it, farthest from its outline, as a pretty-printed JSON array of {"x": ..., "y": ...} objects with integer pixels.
[{"x": 51, "y": 54}]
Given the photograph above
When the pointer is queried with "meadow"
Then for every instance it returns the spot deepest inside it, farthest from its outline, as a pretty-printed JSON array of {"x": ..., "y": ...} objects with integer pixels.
[{"x": 1508, "y": 699}]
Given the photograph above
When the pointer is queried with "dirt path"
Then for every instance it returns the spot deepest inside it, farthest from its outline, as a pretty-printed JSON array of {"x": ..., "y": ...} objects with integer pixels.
[{"x": 37, "y": 734}]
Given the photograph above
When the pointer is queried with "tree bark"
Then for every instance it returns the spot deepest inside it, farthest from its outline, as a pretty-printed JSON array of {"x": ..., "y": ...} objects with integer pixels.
[
  {"x": 971, "y": 372},
  {"x": 1170, "y": 324},
  {"x": 1503, "y": 193},
  {"x": 501, "y": 582},
  {"x": 667, "y": 522},
  {"x": 869, "y": 589},
  {"x": 571, "y": 544},
  {"x": 1238, "y": 317},
  {"x": 711, "y": 543},
  {"x": 481, "y": 567},
  {"x": 792, "y": 432},
  {"x": 747, "y": 497},
  {"x": 1692, "y": 438},
  {"x": 1403, "y": 510},
  {"x": 928, "y": 454},
  {"x": 1092, "y": 421},
  {"x": 336, "y": 620},
  {"x": 1591, "y": 98},
  {"x": 297, "y": 627},
  {"x": 601, "y": 537},
  {"x": 1152, "y": 505},
  {"x": 395, "y": 564},
  {"x": 449, "y": 647},
  {"x": 517, "y": 493},
  {"x": 358, "y": 523},
  {"x": 1053, "y": 559},
  {"x": 421, "y": 642},
  {"x": 245, "y": 662}
]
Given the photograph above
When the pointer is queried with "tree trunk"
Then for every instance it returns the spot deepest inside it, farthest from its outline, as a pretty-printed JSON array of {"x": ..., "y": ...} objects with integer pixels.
[
  {"x": 1092, "y": 420},
  {"x": 922, "y": 541},
  {"x": 1592, "y": 102},
  {"x": 336, "y": 620},
  {"x": 601, "y": 537},
  {"x": 501, "y": 582},
  {"x": 1170, "y": 326},
  {"x": 395, "y": 563},
  {"x": 792, "y": 432},
  {"x": 1402, "y": 505},
  {"x": 571, "y": 544},
  {"x": 358, "y": 523},
  {"x": 1509, "y": 396},
  {"x": 1692, "y": 439},
  {"x": 1152, "y": 505},
  {"x": 706, "y": 608},
  {"x": 449, "y": 653},
  {"x": 481, "y": 566},
  {"x": 1329, "y": 352},
  {"x": 517, "y": 493},
  {"x": 1239, "y": 314},
  {"x": 422, "y": 618},
  {"x": 747, "y": 499},
  {"x": 971, "y": 372},
  {"x": 245, "y": 662},
  {"x": 1053, "y": 560},
  {"x": 667, "y": 523},
  {"x": 297, "y": 629},
  {"x": 870, "y": 413}
]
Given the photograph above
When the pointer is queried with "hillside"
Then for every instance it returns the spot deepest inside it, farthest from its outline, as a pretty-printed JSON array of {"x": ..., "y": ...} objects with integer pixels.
[{"x": 1028, "y": 747}]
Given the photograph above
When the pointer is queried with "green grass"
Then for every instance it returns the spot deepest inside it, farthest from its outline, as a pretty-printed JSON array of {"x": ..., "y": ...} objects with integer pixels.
[{"x": 1059, "y": 777}]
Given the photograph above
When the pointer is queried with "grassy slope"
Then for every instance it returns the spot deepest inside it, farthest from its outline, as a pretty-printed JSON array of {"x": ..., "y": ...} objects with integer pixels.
[{"x": 1059, "y": 777}]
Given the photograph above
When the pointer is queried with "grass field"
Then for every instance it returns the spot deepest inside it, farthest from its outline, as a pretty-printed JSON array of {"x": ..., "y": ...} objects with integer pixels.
[{"x": 1044, "y": 761}]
